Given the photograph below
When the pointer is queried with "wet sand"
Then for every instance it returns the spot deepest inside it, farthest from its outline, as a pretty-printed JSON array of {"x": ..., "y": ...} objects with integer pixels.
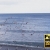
[{"x": 14, "y": 47}]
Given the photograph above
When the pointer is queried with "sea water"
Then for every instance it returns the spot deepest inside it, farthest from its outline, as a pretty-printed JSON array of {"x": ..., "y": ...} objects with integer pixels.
[{"x": 24, "y": 29}]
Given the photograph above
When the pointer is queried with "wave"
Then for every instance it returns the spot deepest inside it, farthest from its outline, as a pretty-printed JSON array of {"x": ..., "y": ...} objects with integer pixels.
[
  {"x": 22, "y": 43},
  {"x": 28, "y": 31}
]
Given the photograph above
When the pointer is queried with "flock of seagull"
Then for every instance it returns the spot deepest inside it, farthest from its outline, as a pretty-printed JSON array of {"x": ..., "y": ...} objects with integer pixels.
[{"x": 16, "y": 27}]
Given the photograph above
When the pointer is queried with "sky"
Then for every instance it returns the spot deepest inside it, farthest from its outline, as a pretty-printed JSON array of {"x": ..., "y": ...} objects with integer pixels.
[{"x": 24, "y": 6}]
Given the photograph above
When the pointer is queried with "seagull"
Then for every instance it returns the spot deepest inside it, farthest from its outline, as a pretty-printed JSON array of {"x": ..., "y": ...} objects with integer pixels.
[
  {"x": 26, "y": 22},
  {"x": 31, "y": 34}
]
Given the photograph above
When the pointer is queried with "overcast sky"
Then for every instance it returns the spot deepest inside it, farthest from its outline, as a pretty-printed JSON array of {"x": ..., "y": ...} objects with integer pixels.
[{"x": 24, "y": 6}]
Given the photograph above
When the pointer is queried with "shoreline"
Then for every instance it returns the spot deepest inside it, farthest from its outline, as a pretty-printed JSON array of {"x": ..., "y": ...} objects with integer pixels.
[{"x": 21, "y": 47}]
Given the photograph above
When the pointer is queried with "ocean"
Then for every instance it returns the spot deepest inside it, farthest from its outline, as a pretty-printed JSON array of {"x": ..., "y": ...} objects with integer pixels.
[{"x": 24, "y": 29}]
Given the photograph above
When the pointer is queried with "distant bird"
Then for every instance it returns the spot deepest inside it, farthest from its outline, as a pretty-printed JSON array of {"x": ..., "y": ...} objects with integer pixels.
[
  {"x": 23, "y": 30},
  {"x": 26, "y": 22},
  {"x": 23, "y": 26},
  {"x": 31, "y": 34},
  {"x": 10, "y": 28},
  {"x": 22, "y": 34},
  {"x": 1, "y": 34},
  {"x": 1, "y": 24}
]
